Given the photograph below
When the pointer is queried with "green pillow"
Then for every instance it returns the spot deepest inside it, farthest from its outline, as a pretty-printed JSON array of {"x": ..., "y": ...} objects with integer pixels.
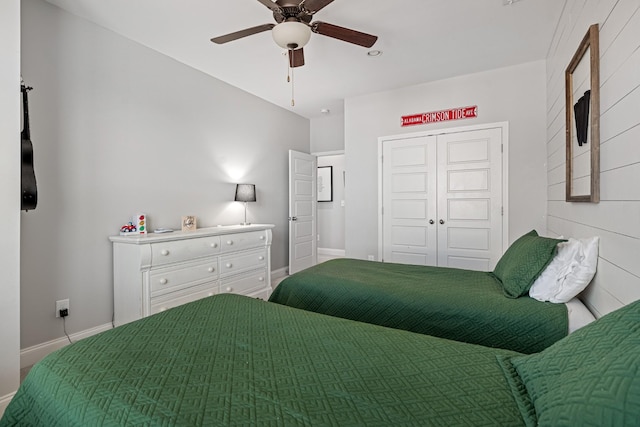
[
  {"x": 591, "y": 377},
  {"x": 523, "y": 262}
]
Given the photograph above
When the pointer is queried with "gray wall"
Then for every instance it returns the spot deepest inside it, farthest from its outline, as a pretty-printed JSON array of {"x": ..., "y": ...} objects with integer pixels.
[
  {"x": 514, "y": 94},
  {"x": 9, "y": 199},
  {"x": 327, "y": 133},
  {"x": 118, "y": 129},
  {"x": 616, "y": 219}
]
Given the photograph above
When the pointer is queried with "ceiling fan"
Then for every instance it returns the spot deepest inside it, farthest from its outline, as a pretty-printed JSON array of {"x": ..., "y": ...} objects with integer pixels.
[{"x": 293, "y": 28}]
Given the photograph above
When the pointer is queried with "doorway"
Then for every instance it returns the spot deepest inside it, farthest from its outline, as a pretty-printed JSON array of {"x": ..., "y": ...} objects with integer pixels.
[{"x": 331, "y": 210}]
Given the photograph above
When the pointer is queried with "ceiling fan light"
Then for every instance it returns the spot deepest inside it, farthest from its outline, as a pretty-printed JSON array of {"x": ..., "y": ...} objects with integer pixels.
[{"x": 291, "y": 34}]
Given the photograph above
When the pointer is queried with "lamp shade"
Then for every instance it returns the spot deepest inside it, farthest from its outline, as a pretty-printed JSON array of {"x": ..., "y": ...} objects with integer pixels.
[
  {"x": 245, "y": 193},
  {"x": 291, "y": 34}
]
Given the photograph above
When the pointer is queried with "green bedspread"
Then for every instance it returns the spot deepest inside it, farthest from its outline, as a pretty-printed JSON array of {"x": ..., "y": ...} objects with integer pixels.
[
  {"x": 462, "y": 305},
  {"x": 236, "y": 361}
]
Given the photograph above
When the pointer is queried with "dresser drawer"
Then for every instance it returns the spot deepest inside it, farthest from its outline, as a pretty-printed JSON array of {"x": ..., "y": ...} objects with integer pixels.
[
  {"x": 244, "y": 261},
  {"x": 171, "y": 279},
  {"x": 178, "y": 298},
  {"x": 182, "y": 250},
  {"x": 236, "y": 242},
  {"x": 245, "y": 283}
]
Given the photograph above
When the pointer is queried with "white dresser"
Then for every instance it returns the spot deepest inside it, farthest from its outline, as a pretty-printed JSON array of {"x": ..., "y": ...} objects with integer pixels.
[{"x": 158, "y": 271}]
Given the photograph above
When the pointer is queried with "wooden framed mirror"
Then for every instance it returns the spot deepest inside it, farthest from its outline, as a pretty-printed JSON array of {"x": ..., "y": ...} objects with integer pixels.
[{"x": 582, "y": 90}]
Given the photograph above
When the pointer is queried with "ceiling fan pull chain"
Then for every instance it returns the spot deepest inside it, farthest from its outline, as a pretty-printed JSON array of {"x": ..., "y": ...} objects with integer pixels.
[{"x": 293, "y": 102}]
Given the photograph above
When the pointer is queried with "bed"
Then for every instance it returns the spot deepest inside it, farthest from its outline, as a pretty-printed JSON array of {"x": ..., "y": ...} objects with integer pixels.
[
  {"x": 486, "y": 308},
  {"x": 232, "y": 360}
]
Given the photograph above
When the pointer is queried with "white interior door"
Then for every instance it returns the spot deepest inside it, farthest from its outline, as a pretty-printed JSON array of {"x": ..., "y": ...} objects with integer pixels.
[
  {"x": 302, "y": 211},
  {"x": 409, "y": 201},
  {"x": 470, "y": 199}
]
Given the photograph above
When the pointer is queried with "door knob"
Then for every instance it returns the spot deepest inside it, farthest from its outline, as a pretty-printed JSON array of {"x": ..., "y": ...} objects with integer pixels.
[
  {"x": 431, "y": 221},
  {"x": 442, "y": 221},
  {"x": 293, "y": 218}
]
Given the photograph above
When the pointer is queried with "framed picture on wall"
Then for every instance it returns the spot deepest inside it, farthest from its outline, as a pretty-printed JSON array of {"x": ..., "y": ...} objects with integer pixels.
[
  {"x": 582, "y": 109},
  {"x": 325, "y": 183}
]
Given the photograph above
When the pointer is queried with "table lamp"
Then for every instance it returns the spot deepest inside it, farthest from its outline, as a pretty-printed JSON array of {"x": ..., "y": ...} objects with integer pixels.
[{"x": 245, "y": 193}]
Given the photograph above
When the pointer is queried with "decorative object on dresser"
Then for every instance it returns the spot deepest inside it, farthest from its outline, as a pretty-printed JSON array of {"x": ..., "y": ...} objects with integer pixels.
[
  {"x": 156, "y": 272},
  {"x": 141, "y": 223},
  {"x": 245, "y": 193},
  {"x": 137, "y": 226},
  {"x": 189, "y": 223}
]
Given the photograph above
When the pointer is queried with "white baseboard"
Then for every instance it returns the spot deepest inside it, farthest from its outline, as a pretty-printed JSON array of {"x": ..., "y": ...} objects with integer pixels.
[
  {"x": 279, "y": 273},
  {"x": 339, "y": 253},
  {"x": 326, "y": 254},
  {"x": 30, "y": 355},
  {"x": 4, "y": 402}
]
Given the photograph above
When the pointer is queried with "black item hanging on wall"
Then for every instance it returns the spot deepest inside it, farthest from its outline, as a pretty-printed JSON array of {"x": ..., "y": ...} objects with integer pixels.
[
  {"x": 581, "y": 110},
  {"x": 29, "y": 190}
]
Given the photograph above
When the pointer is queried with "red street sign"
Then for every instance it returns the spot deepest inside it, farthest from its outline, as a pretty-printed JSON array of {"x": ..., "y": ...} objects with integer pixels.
[{"x": 440, "y": 116}]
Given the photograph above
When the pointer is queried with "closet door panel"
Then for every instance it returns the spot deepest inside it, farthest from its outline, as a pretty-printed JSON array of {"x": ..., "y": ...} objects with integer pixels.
[
  {"x": 409, "y": 200},
  {"x": 470, "y": 199}
]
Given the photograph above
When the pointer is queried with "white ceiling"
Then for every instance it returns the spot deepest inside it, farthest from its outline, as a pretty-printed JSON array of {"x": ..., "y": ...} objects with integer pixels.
[{"x": 421, "y": 40}]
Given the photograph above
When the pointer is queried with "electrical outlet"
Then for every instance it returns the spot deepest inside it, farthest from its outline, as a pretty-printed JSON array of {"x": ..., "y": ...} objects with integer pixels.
[
  {"x": 371, "y": 258},
  {"x": 62, "y": 304}
]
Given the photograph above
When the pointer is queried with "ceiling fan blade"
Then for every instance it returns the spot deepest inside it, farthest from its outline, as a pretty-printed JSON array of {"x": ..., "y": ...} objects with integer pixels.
[
  {"x": 242, "y": 33},
  {"x": 344, "y": 34},
  {"x": 296, "y": 58},
  {"x": 313, "y": 6},
  {"x": 271, "y": 5}
]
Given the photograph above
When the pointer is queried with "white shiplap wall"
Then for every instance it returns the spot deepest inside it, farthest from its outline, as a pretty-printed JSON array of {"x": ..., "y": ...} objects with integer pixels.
[{"x": 616, "y": 219}]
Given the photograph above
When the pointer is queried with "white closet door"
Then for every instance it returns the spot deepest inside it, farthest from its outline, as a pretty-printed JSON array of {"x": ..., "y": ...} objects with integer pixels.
[
  {"x": 409, "y": 201},
  {"x": 470, "y": 199},
  {"x": 442, "y": 198}
]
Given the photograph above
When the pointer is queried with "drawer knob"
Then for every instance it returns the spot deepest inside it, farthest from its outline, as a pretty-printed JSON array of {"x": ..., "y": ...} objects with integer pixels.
[
  {"x": 229, "y": 242},
  {"x": 261, "y": 237},
  {"x": 214, "y": 245},
  {"x": 165, "y": 252},
  {"x": 163, "y": 281},
  {"x": 229, "y": 265},
  {"x": 229, "y": 288},
  {"x": 261, "y": 258},
  {"x": 211, "y": 269},
  {"x": 260, "y": 279}
]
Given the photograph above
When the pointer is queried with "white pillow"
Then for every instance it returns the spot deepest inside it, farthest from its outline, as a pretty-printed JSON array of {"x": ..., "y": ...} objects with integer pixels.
[{"x": 570, "y": 271}]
